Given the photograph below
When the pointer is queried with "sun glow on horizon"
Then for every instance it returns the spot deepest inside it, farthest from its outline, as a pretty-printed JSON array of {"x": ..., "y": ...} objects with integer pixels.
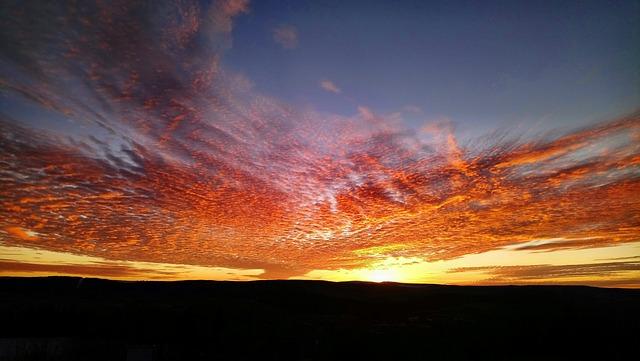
[{"x": 382, "y": 275}]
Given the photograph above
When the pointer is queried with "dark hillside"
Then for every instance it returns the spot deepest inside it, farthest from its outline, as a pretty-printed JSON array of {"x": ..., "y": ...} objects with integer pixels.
[{"x": 91, "y": 319}]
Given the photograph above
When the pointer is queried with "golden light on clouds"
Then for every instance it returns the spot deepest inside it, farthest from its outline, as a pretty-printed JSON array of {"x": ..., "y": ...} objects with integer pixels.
[
  {"x": 155, "y": 161},
  {"x": 328, "y": 210}
]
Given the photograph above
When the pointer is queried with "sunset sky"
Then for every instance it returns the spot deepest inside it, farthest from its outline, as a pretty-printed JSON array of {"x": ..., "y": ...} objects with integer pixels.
[{"x": 462, "y": 142}]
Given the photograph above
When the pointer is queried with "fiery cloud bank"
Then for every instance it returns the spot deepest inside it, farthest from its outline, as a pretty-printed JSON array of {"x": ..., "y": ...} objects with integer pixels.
[{"x": 123, "y": 137}]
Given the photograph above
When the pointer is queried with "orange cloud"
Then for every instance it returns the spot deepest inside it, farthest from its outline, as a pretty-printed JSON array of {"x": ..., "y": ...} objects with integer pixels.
[
  {"x": 106, "y": 271},
  {"x": 438, "y": 205},
  {"x": 21, "y": 233},
  {"x": 610, "y": 274}
]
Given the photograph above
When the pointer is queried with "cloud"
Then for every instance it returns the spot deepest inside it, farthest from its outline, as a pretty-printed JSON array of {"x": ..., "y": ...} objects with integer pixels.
[
  {"x": 125, "y": 270},
  {"x": 610, "y": 274},
  {"x": 221, "y": 14},
  {"x": 21, "y": 233},
  {"x": 154, "y": 152},
  {"x": 25, "y": 261},
  {"x": 329, "y": 86},
  {"x": 106, "y": 270},
  {"x": 286, "y": 36}
]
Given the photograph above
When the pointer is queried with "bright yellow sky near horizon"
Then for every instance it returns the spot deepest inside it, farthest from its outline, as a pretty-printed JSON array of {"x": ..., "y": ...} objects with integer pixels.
[{"x": 473, "y": 269}]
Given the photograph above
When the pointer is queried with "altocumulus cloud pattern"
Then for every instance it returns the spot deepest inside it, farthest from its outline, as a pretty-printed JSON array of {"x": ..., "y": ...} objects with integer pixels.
[{"x": 123, "y": 136}]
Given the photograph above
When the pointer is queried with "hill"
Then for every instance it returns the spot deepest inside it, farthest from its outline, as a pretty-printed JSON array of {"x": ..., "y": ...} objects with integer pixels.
[{"x": 64, "y": 318}]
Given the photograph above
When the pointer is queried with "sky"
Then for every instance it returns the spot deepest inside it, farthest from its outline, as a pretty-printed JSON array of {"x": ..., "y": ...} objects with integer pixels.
[{"x": 409, "y": 141}]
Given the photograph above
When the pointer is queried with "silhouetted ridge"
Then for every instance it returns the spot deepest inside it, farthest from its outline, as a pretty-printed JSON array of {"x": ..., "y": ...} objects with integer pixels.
[{"x": 313, "y": 320}]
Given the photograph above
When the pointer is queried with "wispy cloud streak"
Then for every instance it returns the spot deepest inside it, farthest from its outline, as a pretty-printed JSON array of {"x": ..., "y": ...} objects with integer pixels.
[
  {"x": 286, "y": 36},
  {"x": 608, "y": 274},
  {"x": 330, "y": 86}
]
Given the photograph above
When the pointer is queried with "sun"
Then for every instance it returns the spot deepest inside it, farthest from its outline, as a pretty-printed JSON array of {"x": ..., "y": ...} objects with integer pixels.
[{"x": 381, "y": 275}]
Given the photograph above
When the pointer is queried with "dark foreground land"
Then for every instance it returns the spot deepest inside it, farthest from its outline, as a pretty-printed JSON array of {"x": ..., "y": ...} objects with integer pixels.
[{"x": 70, "y": 319}]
